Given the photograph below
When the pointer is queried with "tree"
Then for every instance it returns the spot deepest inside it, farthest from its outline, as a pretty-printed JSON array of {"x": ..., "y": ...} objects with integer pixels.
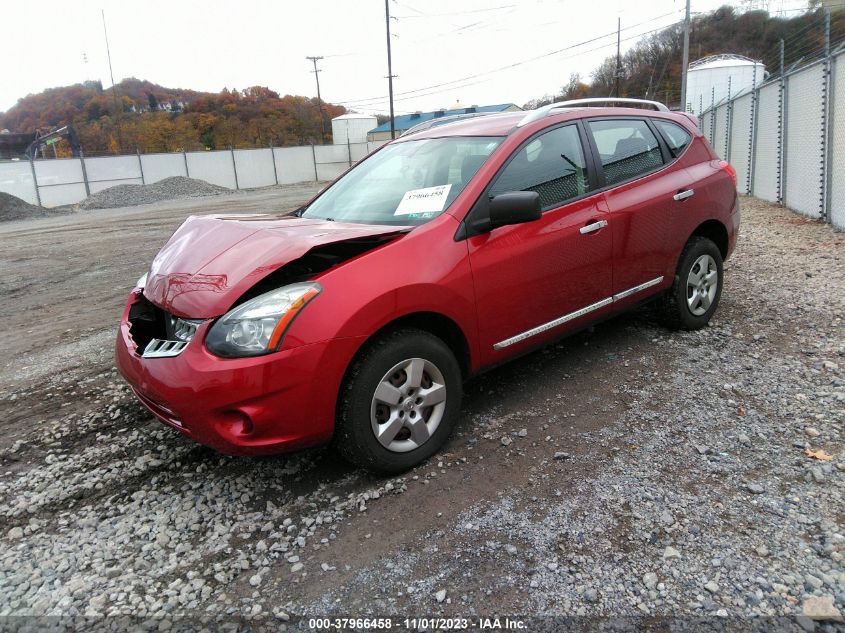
[
  {"x": 652, "y": 68},
  {"x": 253, "y": 117}
]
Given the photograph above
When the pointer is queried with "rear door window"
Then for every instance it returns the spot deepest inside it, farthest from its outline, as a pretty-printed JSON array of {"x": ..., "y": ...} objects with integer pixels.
[
  {"x": 627, "y": 148},
  {"x": 677, "y": 138},
  {"x": 552, "y": 164}
]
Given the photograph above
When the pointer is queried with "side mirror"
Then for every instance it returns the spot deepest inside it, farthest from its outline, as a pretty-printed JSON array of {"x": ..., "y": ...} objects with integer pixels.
[{"x": 514, "y": 207}]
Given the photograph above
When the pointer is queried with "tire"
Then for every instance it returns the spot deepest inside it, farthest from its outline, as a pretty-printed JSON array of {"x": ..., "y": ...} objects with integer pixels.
[
  {"x": 394, "y": 388},
  {"x": 691, "y": 301}
]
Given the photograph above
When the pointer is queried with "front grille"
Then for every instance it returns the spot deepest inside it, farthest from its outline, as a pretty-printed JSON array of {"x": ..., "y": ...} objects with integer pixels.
[
  {"x": 156, "y": 332},
  {"x": 181, "y": 329},
  {"x": 158, "y": 348}
]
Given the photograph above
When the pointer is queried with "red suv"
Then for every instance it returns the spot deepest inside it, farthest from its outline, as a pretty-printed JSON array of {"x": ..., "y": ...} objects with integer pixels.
[{"x": 357, "y": 318}]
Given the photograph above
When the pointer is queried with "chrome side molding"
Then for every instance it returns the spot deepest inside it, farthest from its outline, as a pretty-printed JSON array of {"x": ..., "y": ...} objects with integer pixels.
[
  {"x": 545, "y": 327},
  {"x": 552, "y": 324},
  {"x": 631, "y": 291}
]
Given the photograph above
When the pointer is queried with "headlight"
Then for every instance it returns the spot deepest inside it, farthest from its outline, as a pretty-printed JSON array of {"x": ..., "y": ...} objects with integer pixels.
[
  {"x": 142, "y": 282},
  {"x": 257, "y": 326}
]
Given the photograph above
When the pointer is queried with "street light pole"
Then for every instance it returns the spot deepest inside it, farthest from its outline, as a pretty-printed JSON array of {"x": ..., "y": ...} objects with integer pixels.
[
  {"x": 316, "y": 72},
  {"x": 685, "y": 61},
  {"x": 389, "y": 70}
]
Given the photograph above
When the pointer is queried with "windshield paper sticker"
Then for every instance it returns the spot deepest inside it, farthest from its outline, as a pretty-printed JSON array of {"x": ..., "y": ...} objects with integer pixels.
[{"x": 428, "y": 200}]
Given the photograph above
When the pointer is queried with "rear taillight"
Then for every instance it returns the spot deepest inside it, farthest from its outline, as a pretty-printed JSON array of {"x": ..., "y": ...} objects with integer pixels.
[{"x": 723, "y": 164}]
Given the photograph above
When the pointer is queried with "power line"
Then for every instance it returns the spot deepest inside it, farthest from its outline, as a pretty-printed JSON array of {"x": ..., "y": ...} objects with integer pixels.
[
  {"x": 366, "y": 100},
  {"x": 479, "y": 81},
  {"x": 453, "y": 13}
]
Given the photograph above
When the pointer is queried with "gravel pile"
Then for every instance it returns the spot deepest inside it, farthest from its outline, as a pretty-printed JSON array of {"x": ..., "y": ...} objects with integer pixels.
[
  {"x": 13, "y": 208},
  {"x": 172, "y": 188},
  {"x": 629, "y": 471}
]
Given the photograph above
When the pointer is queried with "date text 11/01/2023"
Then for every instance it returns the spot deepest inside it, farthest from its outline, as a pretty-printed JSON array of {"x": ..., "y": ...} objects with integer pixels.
[{"x": 418, "y": 624}]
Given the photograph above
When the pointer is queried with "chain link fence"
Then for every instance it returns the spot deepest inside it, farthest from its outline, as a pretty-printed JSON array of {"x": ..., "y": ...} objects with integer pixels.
[
  {"x": 836, "y": 149},
  {"x": 786, "y": 138}
]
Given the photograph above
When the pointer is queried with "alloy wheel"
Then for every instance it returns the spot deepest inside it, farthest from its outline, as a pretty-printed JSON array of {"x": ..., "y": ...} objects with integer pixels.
[
  {"x": 408, "y": 405},
  {"x": 702, "y": 284}
]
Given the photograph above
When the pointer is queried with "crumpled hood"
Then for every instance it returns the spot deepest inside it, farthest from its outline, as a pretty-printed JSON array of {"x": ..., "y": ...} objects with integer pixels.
[{"x": 210, "y": 261}]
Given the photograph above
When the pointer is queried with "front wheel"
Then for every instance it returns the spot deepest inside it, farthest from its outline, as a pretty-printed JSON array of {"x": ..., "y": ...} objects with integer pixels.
[
  {"x": 691, "y": 301},
  {"x": 399, "y": 402}
]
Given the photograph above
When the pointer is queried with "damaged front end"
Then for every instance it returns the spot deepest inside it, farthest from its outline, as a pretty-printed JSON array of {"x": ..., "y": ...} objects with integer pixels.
[
  {"x": 213, "y": 267},
  {"x": 212, "y": 264},
  {"x": 157, "y": 333}
]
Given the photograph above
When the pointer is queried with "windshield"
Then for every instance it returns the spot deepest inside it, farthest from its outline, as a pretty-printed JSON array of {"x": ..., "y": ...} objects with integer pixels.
[{"x": 406, "y": 183}]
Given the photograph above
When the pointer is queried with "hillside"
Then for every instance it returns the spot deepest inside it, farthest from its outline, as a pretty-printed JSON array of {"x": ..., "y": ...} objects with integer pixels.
[
  {"x": 153, "y": 118},
  {"x": 652, "y": 68}
]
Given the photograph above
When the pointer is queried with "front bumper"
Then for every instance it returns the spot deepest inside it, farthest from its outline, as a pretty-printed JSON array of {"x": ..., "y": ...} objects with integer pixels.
[{"x": 247, "y": 406}]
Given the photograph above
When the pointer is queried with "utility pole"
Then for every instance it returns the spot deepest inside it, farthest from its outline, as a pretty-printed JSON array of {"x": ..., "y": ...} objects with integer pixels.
[
  {"x": 117, "y": 107},
  {"x": 316, "y": 72},
  {"x": 685, "y": 60},
  {"x": 618, "y": 53},
  {"x": 389, "y": 69}
]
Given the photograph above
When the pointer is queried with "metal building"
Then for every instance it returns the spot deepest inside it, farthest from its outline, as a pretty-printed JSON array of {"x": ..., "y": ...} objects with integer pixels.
[
  {"x": 407, "y": 121},
  {"x": 713, "y": 79},
  {"x": 352, "y": 128}
]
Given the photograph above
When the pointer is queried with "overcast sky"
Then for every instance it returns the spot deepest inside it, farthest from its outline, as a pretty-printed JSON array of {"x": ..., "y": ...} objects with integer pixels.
[{"x": 457, "y": 47}]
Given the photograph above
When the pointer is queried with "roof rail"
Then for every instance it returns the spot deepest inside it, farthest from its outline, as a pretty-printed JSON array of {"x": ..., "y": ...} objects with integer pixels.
[
  {"x": 546, "y": 110},
  {"x": 442, "y": 120}
]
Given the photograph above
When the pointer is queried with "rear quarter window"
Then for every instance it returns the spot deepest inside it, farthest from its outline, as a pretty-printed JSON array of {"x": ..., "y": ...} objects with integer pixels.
[{"x": 677, "y": 138}]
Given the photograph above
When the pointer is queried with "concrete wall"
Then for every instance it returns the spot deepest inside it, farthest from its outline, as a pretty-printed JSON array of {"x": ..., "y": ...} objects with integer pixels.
[{"x": 57, "y": 182}]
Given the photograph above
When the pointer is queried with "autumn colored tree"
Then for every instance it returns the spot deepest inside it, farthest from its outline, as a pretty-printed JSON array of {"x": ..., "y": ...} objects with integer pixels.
[{"x": 252, "y": 117}]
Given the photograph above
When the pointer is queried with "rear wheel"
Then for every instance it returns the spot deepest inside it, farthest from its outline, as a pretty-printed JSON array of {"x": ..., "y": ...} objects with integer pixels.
[
  {"x": 399, "y": 402},
  {"x": 694, "y": 296}
]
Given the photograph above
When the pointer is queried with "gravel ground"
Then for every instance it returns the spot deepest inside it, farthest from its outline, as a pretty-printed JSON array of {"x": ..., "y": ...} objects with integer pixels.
[
  {"x": 627, "y": 471},
  {"x": 173, "y": 188}
]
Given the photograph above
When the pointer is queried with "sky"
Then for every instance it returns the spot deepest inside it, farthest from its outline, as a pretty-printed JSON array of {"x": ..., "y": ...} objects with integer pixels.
[{"x": 476, "y": 52}]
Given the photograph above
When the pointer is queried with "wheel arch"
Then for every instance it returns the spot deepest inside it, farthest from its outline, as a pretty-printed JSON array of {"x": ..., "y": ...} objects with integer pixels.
[
  {"x": 716, "y": 232},
  {"x": 438, "y": 324}
]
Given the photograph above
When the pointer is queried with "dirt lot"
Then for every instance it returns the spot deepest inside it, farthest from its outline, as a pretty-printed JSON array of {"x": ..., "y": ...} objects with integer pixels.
[{"x": 627, "y": 471}]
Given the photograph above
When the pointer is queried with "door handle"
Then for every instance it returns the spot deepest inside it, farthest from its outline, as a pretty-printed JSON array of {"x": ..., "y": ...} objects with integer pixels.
[
  {"x": 593, "y": 227},
  {"x": 683, "y": 195}
]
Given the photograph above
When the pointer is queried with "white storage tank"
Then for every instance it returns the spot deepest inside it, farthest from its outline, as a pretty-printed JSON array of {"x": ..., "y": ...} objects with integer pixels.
[
  {"x": 352, "y": 128},
  {"x": 716, "y": 75}
]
